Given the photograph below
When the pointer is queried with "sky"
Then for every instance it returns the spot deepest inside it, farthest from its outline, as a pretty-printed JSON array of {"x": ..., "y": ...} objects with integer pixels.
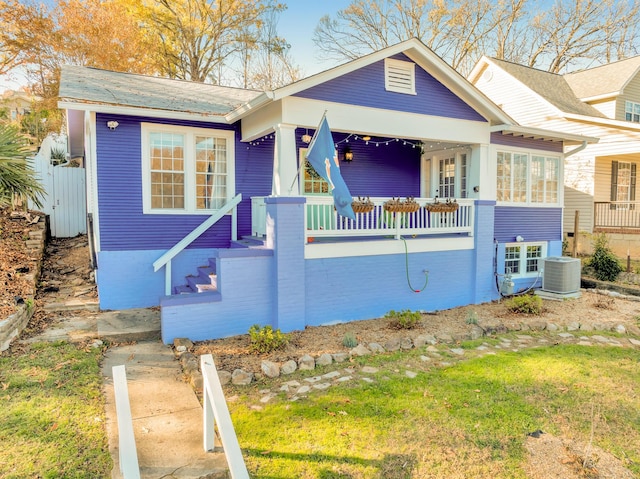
[{"x": 296, "y": 25}]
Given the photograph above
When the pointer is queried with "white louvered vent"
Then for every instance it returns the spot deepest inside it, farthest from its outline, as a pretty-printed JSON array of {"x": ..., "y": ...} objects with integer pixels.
[
  {"x": 399, "y": 76},
  {"x": 561, "y": 275}
]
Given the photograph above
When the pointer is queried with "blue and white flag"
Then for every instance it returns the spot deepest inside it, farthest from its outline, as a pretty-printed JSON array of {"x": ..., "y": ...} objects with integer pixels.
[{"x": 323, "y": 157}]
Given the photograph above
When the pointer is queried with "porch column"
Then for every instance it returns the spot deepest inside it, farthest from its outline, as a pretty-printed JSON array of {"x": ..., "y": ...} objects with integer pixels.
[
  {"x": 285, "y": 161},
  {"x": 482, "y": 173},
  {"x": 285, "y": 235}
]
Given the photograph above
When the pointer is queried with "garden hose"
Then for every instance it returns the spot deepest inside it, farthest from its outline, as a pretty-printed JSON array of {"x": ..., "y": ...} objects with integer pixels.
[{"x": 406, "y": 264}]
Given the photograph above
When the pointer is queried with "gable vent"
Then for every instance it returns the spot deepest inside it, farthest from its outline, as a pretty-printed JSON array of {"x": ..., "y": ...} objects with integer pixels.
[{"x": 399, "y": 76}]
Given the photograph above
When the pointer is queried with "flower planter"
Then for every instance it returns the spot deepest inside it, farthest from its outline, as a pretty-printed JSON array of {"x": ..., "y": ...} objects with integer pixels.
[
  {"x": 449, "y": 207},
  {"x": 401, "y": 206}
]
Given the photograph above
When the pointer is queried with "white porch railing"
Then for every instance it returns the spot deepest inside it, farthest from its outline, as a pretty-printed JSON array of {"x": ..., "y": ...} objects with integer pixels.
[
  {"x": 215, "y": 411},
  {"x": 165, "y": 259},
  {"x": 322, "y": 220}
]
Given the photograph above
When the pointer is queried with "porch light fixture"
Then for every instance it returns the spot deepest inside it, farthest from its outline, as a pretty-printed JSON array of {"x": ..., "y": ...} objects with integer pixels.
[
  {"x": 519, "y": 239},
  {"x": 306, "y": 138},
  {"x": 348, "y": 154},
  {"x": 112, "y": 125},
  {"x": 366, "y": 137}
]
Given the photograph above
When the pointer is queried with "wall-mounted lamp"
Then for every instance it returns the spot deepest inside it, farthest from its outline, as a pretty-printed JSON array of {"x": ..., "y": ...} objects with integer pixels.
[
  {"x": 476, "y": 189},
  {"x": 306, "y": 138},
  {"x": 348, "y": 154},
  {"x": 112, "y": 125},
  {"x": 519, "y": 239}
]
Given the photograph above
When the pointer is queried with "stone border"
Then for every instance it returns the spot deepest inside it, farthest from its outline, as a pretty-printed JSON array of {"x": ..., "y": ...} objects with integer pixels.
[
  {"x": 484, "y": 328},
  {"x": 11, "y": 327}
]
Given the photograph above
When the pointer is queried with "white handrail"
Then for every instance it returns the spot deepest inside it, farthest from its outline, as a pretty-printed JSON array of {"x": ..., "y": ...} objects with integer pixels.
[
  {"x": 191, "y": 237},
  {"x": 127, "y": 453},
  {"x": 215, "y": 410}
]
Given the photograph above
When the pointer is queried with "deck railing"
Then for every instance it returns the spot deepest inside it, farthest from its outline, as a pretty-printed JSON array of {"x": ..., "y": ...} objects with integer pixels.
[
  {"x": 322, "y": 220},
  {"x": 616, "y": 214}
]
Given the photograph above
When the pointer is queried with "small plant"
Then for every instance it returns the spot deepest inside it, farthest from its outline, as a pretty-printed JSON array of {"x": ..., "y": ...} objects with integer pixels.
[
  {"x": 265, "y": 339},
  {"x": 526, "y": 304},
  {"x": 604, "y": 263},
  {"x": 29, "y": 303},
  {"x": 405, "y": 319},
  {"x": 349, "y": 341},
  {"x": 58, "y": 156},
  {"x": 472, "y": 317}
]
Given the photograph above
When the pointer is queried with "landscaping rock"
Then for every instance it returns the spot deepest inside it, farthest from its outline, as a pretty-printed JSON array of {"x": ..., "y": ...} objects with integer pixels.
[
  {"x": 573, "y": 326},
  {"x": 392, "y": 345},
  {"x": 411, "y": 374},
  {"x": 289, "y": 367},
  {"x": 340, "y": 357},
  {"x": 537, "y": 325},
  {"x": 324, "y": 360},
  {"x": 406, "y": 343},
  {"x": 182, "y": 344},
  {"x": 445, "y": 338},
  {"x": 225, "y": 377},
  {"x": 306, "y": 363},
  {"x": 303, "y": 389},
  {"x": 619, "y": 328},
  {"x": 376, "y": 348},
  {"x": 369, "y": 370},
  {"x": 241, "y": 377},
  {"x": 552, "y": 327},
  {"x": 360, "y": 350},
  {"x": 270, "y": 369},
  {"x": 476, "y": 332}
]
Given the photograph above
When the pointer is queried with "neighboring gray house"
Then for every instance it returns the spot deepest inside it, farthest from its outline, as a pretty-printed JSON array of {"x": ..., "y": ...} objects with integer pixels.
[{"x": 601, "y": 102}]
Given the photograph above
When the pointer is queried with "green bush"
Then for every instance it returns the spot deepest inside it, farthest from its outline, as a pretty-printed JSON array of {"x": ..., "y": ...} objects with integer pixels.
[
  {"x": 349, "y": 341},
  {"x": 265, "y": 339},
  {"x": 527, "y": 304},
  {"x": 604, "y": 263},
  {"x": 405, "y": 319}
]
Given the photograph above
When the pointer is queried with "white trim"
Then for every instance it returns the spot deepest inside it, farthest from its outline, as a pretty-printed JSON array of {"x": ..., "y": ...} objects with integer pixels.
[
  {"x": 530, "y": 152},
  {"x": 385, "y": 247},
  {"x": 91, "y": 170},
  {"x": 543, "y": 134},
  {"x": 523, "y": 258},
  {"x": 400, "y": 76},
  {"x": 144, "y": 112},
  {"x": 189, "y": 167}
]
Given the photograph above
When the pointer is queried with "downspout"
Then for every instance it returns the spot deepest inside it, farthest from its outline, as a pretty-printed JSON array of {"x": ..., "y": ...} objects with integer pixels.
[{"x": 576, "y": 150}]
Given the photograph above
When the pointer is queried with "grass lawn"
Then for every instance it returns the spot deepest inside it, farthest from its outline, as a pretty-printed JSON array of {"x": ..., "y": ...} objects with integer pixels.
[
  {"x": 466, "y": 420},
  {"x": 52, "y": 413}
]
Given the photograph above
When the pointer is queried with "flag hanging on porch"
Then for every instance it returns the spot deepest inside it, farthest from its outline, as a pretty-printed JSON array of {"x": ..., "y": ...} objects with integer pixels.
[{"x": 323, "y": 157}]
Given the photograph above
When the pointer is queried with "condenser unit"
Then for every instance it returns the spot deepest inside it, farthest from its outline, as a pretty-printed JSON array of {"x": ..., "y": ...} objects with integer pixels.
[{"x": 561, "y": 274}]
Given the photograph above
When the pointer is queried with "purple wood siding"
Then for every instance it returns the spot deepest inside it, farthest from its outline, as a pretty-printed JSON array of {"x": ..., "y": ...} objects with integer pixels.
[
  {"x": 119, "y": 168},
  {"x": 533, "y": 224},
  {"x": 530, "y": 143},
  {"x": 384, "y": 170},
  {"x": 365, "y": 87}
]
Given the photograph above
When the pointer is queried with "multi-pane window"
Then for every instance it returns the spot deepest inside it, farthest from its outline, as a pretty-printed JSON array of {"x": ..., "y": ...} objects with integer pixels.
[
  {"x": 524, "y": 178},
  {"x": 632, "y": 111},
  {"x": 186, "y": 170},
  {"x": 447, "y": 178},
  {"x": 523, "y": 259},
  {"x": 313, "y": 182}
]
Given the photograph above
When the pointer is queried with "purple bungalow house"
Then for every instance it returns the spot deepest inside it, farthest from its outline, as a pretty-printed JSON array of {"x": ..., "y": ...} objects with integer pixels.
[{"x": 200, "y": 200}]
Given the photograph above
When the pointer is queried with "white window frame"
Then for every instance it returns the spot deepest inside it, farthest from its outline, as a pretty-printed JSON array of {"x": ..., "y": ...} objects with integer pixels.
[
  {"x": 522, "y": 246},
  {"x": 189, "y": 166},
  {"x": 632, "y": 108},
  {"x": 400, "y": 76},
  {"x": 530, "y": 154},
  {"x": 431, "y": 177}
]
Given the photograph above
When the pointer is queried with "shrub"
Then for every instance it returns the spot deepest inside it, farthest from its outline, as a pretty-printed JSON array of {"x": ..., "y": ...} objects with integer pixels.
[
  {"x": 526, "y": 304},
  {"x": 604, "y": 263},
  {"x": 265, "y": 339},
  {"x": 349, "y": 341},
  {"x": 405, "y": 319}
]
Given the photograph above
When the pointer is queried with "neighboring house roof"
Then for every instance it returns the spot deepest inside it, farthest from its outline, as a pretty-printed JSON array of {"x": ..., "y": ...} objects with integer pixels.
[
  {"x": 83, "y": 85},
  {"x": 550, "y": 86},
  {"x": 605, "y": 80}
]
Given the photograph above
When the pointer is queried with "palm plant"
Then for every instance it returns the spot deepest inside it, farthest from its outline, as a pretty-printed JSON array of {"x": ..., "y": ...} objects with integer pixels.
[{"x": 16, "y": 176}]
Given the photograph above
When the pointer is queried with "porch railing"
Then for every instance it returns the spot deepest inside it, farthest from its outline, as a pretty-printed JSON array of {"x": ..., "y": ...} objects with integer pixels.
[
  {"x": 322, "y": 220},
  {"x": 616, "y": 214}
]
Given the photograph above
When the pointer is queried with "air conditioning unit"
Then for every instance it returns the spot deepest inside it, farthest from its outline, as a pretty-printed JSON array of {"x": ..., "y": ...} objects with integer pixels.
[{"x": 561, "y": 274}]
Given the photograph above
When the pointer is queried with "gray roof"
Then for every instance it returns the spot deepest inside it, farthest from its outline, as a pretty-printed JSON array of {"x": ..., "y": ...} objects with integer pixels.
[
  {"x": 94, "y": 86},
  {"x": 552, "y": 87},
  {"x": 603, "y": 80}
]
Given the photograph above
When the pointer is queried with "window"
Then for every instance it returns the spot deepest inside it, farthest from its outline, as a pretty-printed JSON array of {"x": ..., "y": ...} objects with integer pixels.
[
  {"x": 399, "y": 76},
  {"x": 632, "y": 111},
  {"x": 186, "y": 170},
  {"x": 527, "y": 179},
  {"x": 623, "y": 184},
  {"x": 523, "y": 259},
  {"x": 450, "y": 175}
]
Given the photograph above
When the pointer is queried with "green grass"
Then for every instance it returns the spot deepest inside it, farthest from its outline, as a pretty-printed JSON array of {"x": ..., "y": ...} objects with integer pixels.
[
  {"x": 466, "y": 420},
  {"x": 52, "y": 413}
]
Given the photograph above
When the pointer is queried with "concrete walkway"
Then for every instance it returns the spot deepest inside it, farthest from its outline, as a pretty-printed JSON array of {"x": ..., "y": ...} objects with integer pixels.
[{"x": 167, "y": 416}]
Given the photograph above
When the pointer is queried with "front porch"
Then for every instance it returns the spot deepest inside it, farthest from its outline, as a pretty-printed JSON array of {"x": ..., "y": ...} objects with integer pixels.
[
  {"x": 323, "y": 224},
  {"x": 616, "y": 217}
]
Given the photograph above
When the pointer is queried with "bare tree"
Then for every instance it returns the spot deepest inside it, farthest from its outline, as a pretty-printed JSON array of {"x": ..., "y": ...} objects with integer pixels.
[{"x": 571, "y": 33}]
